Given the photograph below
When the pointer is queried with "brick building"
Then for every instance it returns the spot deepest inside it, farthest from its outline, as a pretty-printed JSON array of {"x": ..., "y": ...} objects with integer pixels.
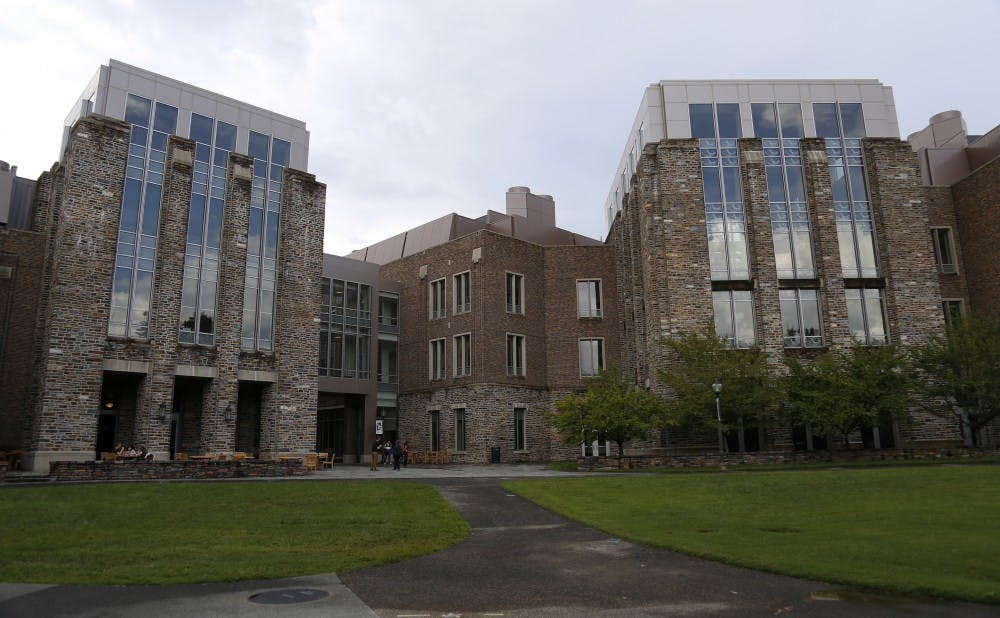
[
  {"x": 503, "y": 315},
  {"x": 962, "y": 177},
  {"x": 171, "y": 254},
  {"x": 788, "y": 214}
]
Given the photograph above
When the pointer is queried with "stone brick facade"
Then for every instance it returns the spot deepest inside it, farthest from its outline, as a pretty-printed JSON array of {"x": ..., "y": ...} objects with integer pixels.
[
  {"x": 22, "y": 254},
  {"x": 549, "y": 324},
  {"x": 78, "y": 363},
  {"x": 660, "y": 237},
  {"x": 976, "y": 200}
]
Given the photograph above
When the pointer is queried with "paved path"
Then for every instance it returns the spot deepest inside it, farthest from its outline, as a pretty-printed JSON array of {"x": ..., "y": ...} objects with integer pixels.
[{"x": 520, "y": 560}]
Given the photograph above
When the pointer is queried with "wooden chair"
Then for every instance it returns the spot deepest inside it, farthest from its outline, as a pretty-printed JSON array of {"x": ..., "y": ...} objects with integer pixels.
[
  {"x": 310, "y": 460},
  {"x": 107, "y": 456},
  {"x": 328, "y": 460},
  {"x": 180, "y": 457},
  {"x": 441, "y": 457}
]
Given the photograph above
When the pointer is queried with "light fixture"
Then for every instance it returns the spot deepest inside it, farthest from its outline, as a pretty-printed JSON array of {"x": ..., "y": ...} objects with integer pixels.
[
  {"x": 161, "y": 414},
  {"x": 230, "y": 412}
]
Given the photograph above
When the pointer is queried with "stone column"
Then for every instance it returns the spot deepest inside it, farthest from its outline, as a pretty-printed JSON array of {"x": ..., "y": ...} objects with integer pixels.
[{"x": 83, "y": 226}]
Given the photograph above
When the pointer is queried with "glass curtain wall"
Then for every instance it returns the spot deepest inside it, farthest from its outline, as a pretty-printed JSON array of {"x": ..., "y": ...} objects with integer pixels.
[
  {"x": 717, "y": 128},
  {"x": 345, "y": 329},
  {"x": 780, "y": 128},
  {"x": 270, "y": 157},
  {"x": 842, "y": 125},
  {"x": 213, "y": 143},
  {"x": 135, "y": 255}
]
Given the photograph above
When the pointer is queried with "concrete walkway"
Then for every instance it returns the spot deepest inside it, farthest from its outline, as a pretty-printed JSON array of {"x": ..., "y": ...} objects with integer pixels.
[{"x": 520, "y": 560}]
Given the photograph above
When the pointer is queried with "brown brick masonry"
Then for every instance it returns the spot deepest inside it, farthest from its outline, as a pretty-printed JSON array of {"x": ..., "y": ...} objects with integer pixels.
[{"x": 160, "y": 470}]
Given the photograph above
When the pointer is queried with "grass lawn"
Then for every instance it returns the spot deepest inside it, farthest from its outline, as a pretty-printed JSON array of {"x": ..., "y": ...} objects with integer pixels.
[
  {"x": 928, "y": 530},
  {"x": 166, "y": 533}
]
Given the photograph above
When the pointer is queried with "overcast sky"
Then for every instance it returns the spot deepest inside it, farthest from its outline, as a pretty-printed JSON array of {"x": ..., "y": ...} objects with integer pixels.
[{"x": 420, "y": 108}]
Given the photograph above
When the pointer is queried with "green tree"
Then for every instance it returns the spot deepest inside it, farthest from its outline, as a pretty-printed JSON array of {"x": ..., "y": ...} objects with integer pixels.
[
  {"x": 610, "y": 409},
  {"x": 842, "y": 391},
  {"x": 960, "y": 371},
  {"x": 750, "y": 390}
]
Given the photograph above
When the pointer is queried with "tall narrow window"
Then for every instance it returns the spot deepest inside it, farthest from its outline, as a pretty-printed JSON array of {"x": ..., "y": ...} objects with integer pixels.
[
  {"x": 460, "y": 429},
  {"x": 734, "y": 317},
  {"x": 780, "y": 128},
  {"x": 463, "y": 355},
  {"x": 437, "y": 360},
  {"x": 519, "y": 428},
  {"x": 435, "y": 430},
  {"x": 842, "y": 124},
  {"x": 213, "y": 143},
  {"x": 138, "y": 226},
  {"x": 388, "y": 310},
  {"x": 591, "y": 357},
  {"x": 588, "y": 298},
  {"x": 717, "y": 128},
  {"x": 270, "y": 158},
  {"x": 953, "y": 310},
  {"x": 438, "y": 300},
  {"x": 515, "y": 293},
  {"x": 800, "y": 321},
  {"x": 515, "y": 355},
  {"x": 944, "y": 251},
  {"x": 463, "y": 299},
  {"x": 866, "y": 315}
]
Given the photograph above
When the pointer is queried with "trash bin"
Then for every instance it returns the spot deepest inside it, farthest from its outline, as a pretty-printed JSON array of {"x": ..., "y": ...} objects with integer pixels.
[{"x": 495, "y": 455}]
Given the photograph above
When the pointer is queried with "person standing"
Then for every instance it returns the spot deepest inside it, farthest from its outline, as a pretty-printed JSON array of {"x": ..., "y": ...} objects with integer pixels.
[
  {"x": 376, "y": 453},
  {"x": 397, "y": 455},
  {"x": 406, "y": 453}
]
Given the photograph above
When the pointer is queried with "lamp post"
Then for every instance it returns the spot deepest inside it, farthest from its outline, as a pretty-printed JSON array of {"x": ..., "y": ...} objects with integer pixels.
[{"x": 717, "y": 387}]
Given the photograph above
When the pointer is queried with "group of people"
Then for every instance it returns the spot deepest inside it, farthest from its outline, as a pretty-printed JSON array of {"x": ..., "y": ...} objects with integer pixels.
[
  {"x": 131, "y": 453},
  {"x": 384, "y": 450}
]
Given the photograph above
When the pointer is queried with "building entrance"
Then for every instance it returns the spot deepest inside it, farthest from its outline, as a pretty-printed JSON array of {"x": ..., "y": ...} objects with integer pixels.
[{"x": 340, "y": 426}]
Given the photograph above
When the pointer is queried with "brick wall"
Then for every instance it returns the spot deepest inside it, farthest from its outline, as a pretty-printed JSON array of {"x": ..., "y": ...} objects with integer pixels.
[
  {"x": 82, "y": 224},
  {"x": 550, "y": 325},
  {"x": 976, "y": 200},
  {"x": 663, "y": 268},
  {"x": 22, "y": 256}
]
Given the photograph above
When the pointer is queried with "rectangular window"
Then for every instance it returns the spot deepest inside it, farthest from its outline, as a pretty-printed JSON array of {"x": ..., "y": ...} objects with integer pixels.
[
  {"x": 460, "y": 429},
  {"x": 953, "y": 309},
  {"x": 463, "y": 355},
  {"x": 780, "y": 128},
  {"x": 435, "y": 430},
  {"x": 866, "y": 315},
  {"x": 345, "y": 345},
  {"x": 388, "y": 310},
  {"x": 515, "y": 293},
  {"x": 438, "y": 300},
  {"x": 519, "y": 428},
  {"x": 944, "y": 250},
  {"x": 842, "y": 124},
  {"x": 724, "y": 214},
  {"x": 591, "y": 357},
  {"x": 800, "y": 321},
  {"x": 734, "y": 317},
  {"x": 463, "y": 299},
  {"x": 515, "y": 355},
  {"x": 588, "y": 298},
  {"x": 437, "y": 360}
]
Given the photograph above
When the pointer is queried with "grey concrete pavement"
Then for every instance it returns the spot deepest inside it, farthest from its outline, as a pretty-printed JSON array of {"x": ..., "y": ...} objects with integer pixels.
[{"x": 519, "y": 560}]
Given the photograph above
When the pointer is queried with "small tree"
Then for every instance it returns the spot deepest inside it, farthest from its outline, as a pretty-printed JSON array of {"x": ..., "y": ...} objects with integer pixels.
[
  {"x": 842, "y": 391},
  {"x": 610, "y": 409},
  {"x": 751, "y": 391},
  {"x": 960, "y": 372}
]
